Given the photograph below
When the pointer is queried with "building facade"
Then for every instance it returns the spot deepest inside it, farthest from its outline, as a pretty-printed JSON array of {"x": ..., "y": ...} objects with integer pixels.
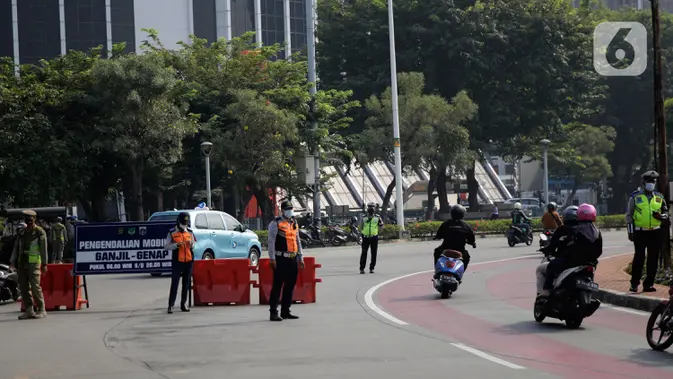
[{"x": 31, "y": 30}]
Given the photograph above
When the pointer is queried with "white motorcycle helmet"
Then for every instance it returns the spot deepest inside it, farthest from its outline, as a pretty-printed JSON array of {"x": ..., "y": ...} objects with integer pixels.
[{"x": 517, "y": 206}]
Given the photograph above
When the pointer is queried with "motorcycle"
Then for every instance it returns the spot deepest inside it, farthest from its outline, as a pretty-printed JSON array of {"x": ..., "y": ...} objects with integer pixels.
[
  {"x": 8, "y": 284},
  {"x": 514, "y": 235},
  {"x": 570, "y": 299},
  {"x": 308, "y": 238},
  {"x": 449, "y": 271},
  {"x": 545, "y": 237},
  {"x": 336, "y": 235},
  {"x": 661, "y": 319},
  {"x": 355, "y": 234}
]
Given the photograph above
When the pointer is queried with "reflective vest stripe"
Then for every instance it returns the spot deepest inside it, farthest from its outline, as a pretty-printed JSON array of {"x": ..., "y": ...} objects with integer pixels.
[{"x": 33, "y": 251}]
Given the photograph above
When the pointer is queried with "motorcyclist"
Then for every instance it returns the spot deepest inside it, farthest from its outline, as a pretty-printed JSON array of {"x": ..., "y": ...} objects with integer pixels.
[
  {"x": 578, "y": 242},
  {"x": 456, "y": 233},
  {"x": 551, "y": 219},
  {"x": 520, "y": 220}
]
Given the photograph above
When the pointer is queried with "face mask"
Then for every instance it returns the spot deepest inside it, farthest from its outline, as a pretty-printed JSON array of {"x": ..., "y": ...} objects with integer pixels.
[
  {"x": 649, "y": 187},
  {"x": 183, "y": 226},
  {"x": 288, "y": 213},
  {"x": 370, "y": 211},
  {"x": 28, "y": 221}
]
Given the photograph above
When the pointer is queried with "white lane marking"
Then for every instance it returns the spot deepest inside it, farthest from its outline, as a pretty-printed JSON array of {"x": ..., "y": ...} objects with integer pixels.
[
  {"x": 369, "y": 301},
  {"x": 488, "y": 357}
]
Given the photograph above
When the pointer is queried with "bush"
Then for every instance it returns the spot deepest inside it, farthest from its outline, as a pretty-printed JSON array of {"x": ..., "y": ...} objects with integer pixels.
[
  {"x": 428, "y": 229},
  {"x": 664, "y": 276}
]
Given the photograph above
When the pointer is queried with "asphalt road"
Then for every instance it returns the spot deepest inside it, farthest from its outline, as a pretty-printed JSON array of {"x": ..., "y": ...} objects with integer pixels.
[{"x": 363, "y": 326}]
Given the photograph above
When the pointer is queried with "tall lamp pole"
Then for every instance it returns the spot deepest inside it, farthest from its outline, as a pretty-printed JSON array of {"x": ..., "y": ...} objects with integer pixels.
[
  {"x": 660, "y": 124},
  {"x": 313, "y": 79},
  {"x": 399, "y": 202},
  {"x": 545, "y": 185},
  {"x": 206, "y": 148}
]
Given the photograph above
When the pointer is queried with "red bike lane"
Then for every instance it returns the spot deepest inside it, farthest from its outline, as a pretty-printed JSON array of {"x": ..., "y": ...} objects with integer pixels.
[{"x": 414, "y": 301}]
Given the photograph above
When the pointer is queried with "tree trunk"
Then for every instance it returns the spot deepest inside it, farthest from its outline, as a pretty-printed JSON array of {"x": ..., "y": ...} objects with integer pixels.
[
  {"x": 442, "y": 194},
  {"x": 386, "y": 200},
  {"x": 472, "y": 189},
  {"x": 430, "y": 191},
  {"x": 572, "y": 194},
  {"x": 160, "y": 201},
  {"x": 137, "y": 190}
]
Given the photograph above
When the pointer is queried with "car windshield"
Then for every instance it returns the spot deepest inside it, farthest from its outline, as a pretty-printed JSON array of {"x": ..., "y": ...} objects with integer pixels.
[{"x": 164, "y": 217}]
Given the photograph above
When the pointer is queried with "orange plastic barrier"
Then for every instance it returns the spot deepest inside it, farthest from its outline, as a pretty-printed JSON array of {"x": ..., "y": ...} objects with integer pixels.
[
  {"x": 222, "y": 281},
  {"x": 304, "y": 290},
  {"x": 58, "y": 286}
]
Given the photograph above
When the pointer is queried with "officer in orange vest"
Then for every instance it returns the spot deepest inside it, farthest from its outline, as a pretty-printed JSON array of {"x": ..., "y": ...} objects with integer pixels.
[
  {"x": 286, "y": 259},
  {"x": 180, "y": 240}
]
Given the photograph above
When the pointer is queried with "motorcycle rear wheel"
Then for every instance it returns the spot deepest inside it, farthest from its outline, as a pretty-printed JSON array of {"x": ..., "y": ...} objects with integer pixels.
[
  {"x": 574, "y": 323},
  {"x": 511, "y": 243},
  {"x": 445, "y": 294},
  {"x": 335, "y": 241},
  {"x": 666, "y": 312}
]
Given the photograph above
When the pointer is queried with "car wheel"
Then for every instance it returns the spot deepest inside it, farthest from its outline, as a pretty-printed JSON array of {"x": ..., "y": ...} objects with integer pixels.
[
  {"x": 208, "y": 255},
  {"x": 254, "y": 256}
]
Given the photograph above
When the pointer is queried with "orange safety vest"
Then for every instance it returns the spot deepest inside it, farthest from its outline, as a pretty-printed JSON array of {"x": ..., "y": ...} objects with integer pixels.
[
  {"x": 286, "y": 239},
  {"x": 184, "y": 251}
]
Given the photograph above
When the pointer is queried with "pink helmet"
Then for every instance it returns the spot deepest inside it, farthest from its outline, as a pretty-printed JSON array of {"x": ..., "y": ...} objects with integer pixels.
[{"x": 586, "y": 212}]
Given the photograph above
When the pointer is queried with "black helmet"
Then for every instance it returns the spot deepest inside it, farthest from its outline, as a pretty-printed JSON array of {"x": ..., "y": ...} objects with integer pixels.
[
  {"x": 285, "y": 205},
  {"x": 551, "y": 206},
  {"x": 183, "y": 218},
  {"x": 570, "y": 214},
  {"x": 457, "y": 212},
  {"x": 650, "y": 176}
]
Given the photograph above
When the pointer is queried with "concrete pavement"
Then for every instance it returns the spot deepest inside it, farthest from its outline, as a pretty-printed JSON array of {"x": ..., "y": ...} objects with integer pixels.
[{"x": 126, "y": 333}]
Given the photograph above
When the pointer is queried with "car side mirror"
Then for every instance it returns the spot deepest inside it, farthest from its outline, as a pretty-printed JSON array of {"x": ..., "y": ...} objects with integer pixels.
[{"x": 239, "y": 228}]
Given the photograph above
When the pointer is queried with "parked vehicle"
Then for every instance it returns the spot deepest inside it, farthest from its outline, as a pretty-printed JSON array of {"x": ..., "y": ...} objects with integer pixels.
[
  {"x": 218, "y": 235},
  {"x": 571, "y": 298},
  {"x": 545, "y": 237},
  {"x": 515, "y": 236},
  {"x": 9, "y": 281},
  {"x": 661, "y": 320},
  {"x": 311, "y": 236},
  {"x": 449, "y": 271}
]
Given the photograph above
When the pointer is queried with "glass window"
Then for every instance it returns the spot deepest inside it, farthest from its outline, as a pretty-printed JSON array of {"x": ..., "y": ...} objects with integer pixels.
[
  {"x": 201, "y": 222},
  {"x": 231, "y": 222},
  {"x": 215, "y": 221},
  {"x": 163, "y": 218}
]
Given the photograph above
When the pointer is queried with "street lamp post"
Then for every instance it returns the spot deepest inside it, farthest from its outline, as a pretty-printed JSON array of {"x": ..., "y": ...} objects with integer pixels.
[
  {"x": 399, "y": 202},
  {"x": 206, "y": 148},
  {"x": 545, "y": 185}
]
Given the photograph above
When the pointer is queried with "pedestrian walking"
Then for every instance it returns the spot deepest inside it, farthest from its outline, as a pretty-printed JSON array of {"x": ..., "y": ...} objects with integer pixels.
[
  {"x": 30, "y": 258},
  {"x": 646, "y": 213},
  {"x": 286, "y": 259},
  {"x": 59, "y": 237},
  {"x": 371, "y": 226},
  {"x": 180, "y": 240}
]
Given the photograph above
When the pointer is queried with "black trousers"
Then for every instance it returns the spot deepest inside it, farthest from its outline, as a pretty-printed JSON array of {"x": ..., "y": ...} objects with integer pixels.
[
  {"x": 466, "y": 256},
  {"x": 181, "y": 270},
  {"x": 285, "y": 278},
  {"x": 368, "y": 242},
  {"x": 643, "y": 240}
]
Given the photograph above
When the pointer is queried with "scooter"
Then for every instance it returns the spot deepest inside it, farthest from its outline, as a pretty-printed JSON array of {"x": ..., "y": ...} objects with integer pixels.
[
  {"x": 571, "y": 297},
  {"x": 514, "y": 236},
  {"x": 308, "y": 238},
  {"x": 661, "y": 320},
  {"x": 9, "y": 281},
  {"x": 449, "y": 271},
  {"x": 545, "y": 238}
]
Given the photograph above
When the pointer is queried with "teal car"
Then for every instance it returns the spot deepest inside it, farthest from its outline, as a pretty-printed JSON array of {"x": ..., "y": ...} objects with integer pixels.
[{"x": 218, "y": 235}]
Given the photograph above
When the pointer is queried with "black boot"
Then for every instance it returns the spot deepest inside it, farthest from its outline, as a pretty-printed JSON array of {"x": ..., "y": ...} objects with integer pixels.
[
  {"x": 170, "y": 310},
  {"x": 288, "y": 316},
  {"x": 274, "y": 317},
  {"x": 184, "y": 308}
]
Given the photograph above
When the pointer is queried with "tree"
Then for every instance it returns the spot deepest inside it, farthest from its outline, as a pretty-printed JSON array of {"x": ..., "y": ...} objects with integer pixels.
[
  {"x": 427, "y": 123},
  {"x": 143, "y": 119},
  {"x": 583, "y": 157}
]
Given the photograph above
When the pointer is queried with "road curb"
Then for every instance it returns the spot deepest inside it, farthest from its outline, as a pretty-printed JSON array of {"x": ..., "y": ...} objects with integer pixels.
[{"x": 621, "y": 299}]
